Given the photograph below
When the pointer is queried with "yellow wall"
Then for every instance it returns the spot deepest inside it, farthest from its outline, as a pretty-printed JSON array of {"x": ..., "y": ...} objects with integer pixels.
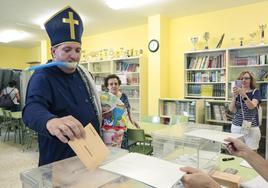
[
  {"x": 15, "y": 58},
  {"x": 132, "y": 37},
  {"x": 234, "y": 22}
]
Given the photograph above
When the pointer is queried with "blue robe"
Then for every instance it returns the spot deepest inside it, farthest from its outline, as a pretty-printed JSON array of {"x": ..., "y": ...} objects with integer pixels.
[{"x": 52, "y": 93}]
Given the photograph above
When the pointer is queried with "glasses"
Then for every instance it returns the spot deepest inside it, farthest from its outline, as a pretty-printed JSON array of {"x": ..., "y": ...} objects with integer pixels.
[{"x": 245, "y": 78}]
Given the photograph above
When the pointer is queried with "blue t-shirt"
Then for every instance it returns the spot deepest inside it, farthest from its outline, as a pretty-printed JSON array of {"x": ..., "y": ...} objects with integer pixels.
[
  {"x": 52, "y": 93},
  {"x": 249, "y": 114}
]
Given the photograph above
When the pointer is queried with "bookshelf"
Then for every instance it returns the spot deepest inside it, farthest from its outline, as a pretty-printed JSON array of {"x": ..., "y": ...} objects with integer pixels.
[
  {"x": 193, "y": 108},
  {"x": 205, "y": 74},
  {"x": 217, "y": 113},
  {"x": 254, "y": 59},
  {"x": 129, "y": 70}
]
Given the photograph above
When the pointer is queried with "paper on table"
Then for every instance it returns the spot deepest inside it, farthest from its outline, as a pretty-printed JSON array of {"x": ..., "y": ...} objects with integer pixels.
[
  {"x": 217, "y": 136},
  {"x": 91, "y": 150},
  {"x": 257, "y": 182},
  {"x": 245, "y": 164},
  {"x": 149, "y": 170}
]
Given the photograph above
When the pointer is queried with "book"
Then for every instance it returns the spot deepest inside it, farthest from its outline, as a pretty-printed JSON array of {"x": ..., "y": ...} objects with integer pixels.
[{"x": 206, "y": 90}]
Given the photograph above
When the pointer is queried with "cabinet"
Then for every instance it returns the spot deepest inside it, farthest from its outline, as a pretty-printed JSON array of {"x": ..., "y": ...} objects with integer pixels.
[
  {"x": 193, "y": 108},
  {"x": 130, "y": 70}
]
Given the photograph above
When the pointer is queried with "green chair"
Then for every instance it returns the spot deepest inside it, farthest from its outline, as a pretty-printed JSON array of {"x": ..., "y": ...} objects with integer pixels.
[
  {"x": 178, "y": 119},
  {"x": 30, "y": 137},
  {"x": 139, "y": 143}
]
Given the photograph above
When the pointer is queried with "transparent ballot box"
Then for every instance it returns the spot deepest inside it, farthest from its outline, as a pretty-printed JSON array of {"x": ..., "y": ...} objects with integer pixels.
[
  {"x": 171, "y": 144},
  {"x": 71, "y": 173}
]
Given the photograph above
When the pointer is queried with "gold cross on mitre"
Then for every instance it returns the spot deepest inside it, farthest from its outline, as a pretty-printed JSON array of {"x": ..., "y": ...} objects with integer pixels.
[{"x": 72, "y": 22}]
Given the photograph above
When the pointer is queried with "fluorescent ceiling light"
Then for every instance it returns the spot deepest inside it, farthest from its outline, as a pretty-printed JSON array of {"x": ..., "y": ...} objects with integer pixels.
[
  {"x": 12, "y": 35},
  {"x": 124, "y": 4}
]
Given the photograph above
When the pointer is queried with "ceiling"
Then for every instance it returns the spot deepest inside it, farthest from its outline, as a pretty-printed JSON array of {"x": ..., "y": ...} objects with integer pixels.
[{"x": 98, "y": 17}]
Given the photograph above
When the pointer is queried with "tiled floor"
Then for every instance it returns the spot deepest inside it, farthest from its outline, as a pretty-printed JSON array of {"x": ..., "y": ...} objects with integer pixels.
[{"x": 14, "y": 160}]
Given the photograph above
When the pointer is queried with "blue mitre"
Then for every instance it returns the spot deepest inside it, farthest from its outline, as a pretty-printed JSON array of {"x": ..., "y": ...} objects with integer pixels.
[{"x": 64, "y": 26}]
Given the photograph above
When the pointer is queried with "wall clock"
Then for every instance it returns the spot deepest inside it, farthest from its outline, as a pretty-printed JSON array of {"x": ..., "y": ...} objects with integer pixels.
[{"x": 153, "y": 45}]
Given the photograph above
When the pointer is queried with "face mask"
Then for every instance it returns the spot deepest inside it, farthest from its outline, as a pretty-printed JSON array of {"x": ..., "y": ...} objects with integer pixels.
[{"x": 70, "y": 64}]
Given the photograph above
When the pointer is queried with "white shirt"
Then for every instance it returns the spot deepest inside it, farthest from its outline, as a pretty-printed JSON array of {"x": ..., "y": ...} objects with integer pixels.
[{"x": 12, "y": 91}]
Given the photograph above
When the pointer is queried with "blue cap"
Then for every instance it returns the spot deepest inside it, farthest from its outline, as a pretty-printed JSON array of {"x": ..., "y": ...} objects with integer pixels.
[{"x": 64, "y": 26}]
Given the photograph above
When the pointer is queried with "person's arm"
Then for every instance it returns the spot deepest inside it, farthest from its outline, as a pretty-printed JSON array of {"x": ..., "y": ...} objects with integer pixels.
[
  {"x": 195, "y": 178},
  {"x": 232, "y": 107},
  {"x": 238, "y": 148},
  {"x": 36, "y": 114},
  {"x": 128, "y": 107},
  {"x": 251, "y": 104},
  {"x": 17, "y": 95},
  {"x": 131, "y": 120}
]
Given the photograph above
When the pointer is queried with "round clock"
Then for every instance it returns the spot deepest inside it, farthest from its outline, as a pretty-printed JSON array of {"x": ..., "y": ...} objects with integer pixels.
[{"x": 153, "y": 45}]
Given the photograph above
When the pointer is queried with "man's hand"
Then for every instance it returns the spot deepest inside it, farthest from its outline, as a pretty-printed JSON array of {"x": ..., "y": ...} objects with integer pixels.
[
  {"x": 195, "y": 178},
  {"x": 65, "y": 128},
  {"x": 237, "y": 147}
]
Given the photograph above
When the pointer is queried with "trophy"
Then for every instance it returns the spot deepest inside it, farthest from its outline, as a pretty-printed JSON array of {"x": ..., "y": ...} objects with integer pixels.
[
  {"x": 206, "y": 37},
  {"x": 252, "y": 38},
  {"x": 194, "y": 41},
  {"x": 262, "y": 27},
  {"x": 241, "y": 40},
  {"x": 233, "y": 42}
]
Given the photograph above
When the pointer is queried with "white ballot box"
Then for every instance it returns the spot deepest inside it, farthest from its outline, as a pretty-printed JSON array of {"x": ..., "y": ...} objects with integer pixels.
[
  {"x": 173, "y": 145},
  {"x": 71, "y": 173}
]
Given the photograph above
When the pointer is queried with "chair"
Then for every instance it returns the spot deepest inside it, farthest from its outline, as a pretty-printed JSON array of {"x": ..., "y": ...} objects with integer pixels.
[
  {"x": 139, "y": 143},
  {"x": 30, "y": 137},
  {"x": 178, "y": 119},
  {"x": 151, "y": 119}
]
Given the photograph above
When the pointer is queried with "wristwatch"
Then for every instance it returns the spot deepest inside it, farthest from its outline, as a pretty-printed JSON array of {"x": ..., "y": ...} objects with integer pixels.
[{"x": 245, "y": 98}]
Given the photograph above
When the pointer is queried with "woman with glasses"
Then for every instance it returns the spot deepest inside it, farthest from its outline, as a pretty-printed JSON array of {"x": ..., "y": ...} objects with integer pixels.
[
  {"x": 112, "y": 83},
  {"x": 245, "y": 101}
]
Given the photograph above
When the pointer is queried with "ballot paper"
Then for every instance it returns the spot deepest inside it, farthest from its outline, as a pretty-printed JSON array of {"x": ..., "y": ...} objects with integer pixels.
[
  {"x": 257, "y": 182},
  {"x": 147, "y": 169},
  {"x": 90, "y": 150},
  {"x": 213, "y": 135},
  {"x": 245, "y": 164}
]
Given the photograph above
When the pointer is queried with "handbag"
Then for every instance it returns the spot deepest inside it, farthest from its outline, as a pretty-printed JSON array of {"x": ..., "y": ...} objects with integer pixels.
[
  {"x": 6, "y": 101},
  {"x": 246, "y": 125}
]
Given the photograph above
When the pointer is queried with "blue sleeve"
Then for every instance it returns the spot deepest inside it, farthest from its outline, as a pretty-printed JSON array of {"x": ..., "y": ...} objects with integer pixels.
[
  {"x": 36, "y": 111},
  {"x": 257, "y": 95}
]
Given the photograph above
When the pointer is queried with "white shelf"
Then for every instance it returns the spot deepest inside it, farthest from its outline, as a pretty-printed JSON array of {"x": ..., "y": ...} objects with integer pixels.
[
  {"x": 248, "y": 47},
  {"x": 133, "y": 98},
  {"x": 218, "y": 121},
  {"x": 165, "y": 116},
  {"x": 136, "y": 85},
  {"x": 262, "y": 82},
  {"x": 210, "y": 69},
  {"x": 127, "y": 58},
  {"x": 239, "y": 66},
  {"x": 100, "y": 72},
  {"x": 204, "y": 51},
  {"x": 204, "y": 97},
  {"x": 101, "y": 61},
  {"x": 125, "y": 72},
  {"x": 217, "y": 101},
  {"x": 205, "y": 82}
]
